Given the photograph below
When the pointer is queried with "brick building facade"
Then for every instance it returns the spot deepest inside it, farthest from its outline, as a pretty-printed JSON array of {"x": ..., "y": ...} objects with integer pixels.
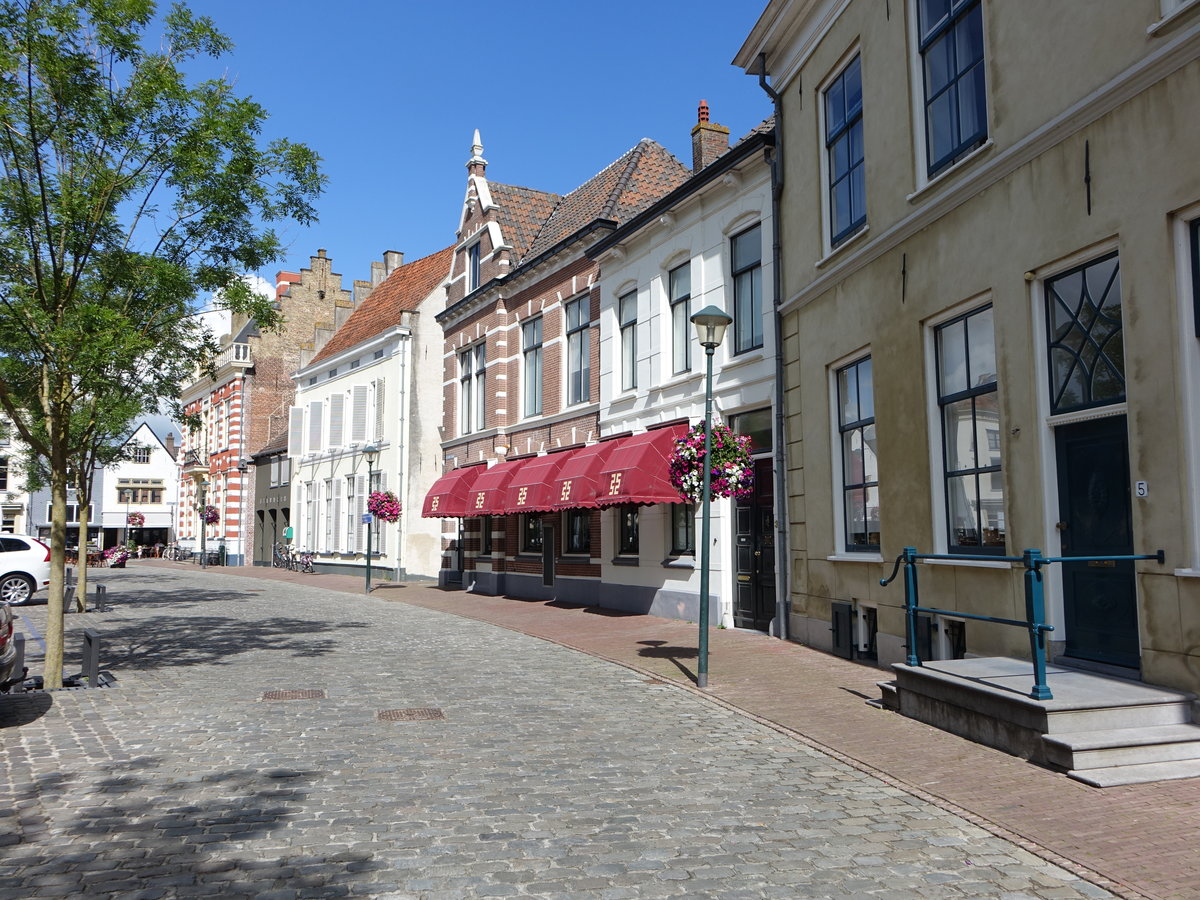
[
  {"x": 521, "y": 363},
  {"x": 243, "y": 406}
]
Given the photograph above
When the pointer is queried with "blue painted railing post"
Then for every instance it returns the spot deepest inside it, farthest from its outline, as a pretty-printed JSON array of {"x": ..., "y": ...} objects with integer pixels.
[
  {"x": 911, "y": 604},
  {"x": 1035, "y": 614}
]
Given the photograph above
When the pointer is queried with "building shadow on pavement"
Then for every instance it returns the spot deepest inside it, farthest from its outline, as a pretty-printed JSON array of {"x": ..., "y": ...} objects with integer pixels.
[
  {"x": 165, "y": 641},
  {"x": 199, "y": 832},
  {"x": 21, "y": 709}
]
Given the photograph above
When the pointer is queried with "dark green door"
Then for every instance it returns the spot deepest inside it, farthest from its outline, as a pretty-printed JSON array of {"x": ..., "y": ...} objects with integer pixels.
[
  {"x": 1100, "y": 597},
  {"x": 754, "y": 518}
]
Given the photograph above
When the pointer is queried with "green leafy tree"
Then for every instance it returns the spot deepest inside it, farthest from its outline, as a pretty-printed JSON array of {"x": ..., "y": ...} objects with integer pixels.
[{"x": 129, "y": 191}]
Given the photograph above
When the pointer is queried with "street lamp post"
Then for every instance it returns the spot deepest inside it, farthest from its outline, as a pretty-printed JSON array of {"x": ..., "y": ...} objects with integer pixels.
[
  {"x": 710, "y": 323},
  {"x": 370, "y": 454},
  {"x": 203, "y": 525}
]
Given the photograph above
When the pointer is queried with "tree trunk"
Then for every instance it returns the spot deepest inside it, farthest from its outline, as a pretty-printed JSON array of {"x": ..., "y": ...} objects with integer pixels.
[
  {"x": 84, "y": 493},
  {"x": 52, "y": 676}
]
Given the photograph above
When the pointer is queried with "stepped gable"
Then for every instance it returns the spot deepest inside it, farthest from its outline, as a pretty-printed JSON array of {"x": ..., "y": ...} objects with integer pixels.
[
  {"x": 627, "y": 186},
  {"x": 522, "y": 211},
  {"x": 402, "y": 291}
]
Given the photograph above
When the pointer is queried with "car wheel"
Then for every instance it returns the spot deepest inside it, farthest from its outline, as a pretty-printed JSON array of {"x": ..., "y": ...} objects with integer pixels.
[{"x": 15, "y": 589}]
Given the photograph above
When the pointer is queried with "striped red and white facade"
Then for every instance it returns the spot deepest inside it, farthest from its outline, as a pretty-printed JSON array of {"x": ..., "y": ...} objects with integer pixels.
[{"x": 220, "y": 440}]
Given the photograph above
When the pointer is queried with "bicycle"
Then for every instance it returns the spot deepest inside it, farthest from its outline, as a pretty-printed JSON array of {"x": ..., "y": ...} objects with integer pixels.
[
  {"x": 176, "y": 553},
  {"x": 304, "y": 563},
  {"x": 279, "y": 557}
]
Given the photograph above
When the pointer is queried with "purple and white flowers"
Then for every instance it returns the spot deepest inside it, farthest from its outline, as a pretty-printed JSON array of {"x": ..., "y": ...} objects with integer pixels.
[{"x": 731, "y": 469}]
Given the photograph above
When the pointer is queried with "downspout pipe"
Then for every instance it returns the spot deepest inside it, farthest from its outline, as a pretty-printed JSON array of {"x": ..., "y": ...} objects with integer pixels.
[{"x": 783, "y": 596}]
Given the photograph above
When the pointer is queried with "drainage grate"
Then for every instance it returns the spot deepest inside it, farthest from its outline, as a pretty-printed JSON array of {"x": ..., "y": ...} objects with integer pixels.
[
  {"x": 411, "y": 715},
  {"x": 293, "y": 695}
]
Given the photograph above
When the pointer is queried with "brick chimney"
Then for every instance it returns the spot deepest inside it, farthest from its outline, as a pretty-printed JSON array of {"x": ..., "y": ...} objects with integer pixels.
[
  {"x": 709, "y": 140},
  {"x": 169, "y": 444}
]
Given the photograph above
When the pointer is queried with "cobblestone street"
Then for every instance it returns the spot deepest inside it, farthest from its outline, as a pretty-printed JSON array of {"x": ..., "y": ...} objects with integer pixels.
[{"x": 552, "y": 774}]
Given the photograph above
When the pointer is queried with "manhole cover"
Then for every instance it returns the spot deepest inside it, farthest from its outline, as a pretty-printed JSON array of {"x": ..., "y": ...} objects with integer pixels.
[
  {"x": 410, "y": 715},
  {"x": 293, "y": 695}
]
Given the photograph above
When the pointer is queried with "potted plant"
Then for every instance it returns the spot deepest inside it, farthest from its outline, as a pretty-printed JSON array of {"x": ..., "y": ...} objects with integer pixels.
[
  {"x": 116, "y": 557},
  {"x": 384, "y": 506},
  {"x": 731, "y": 469},
  {"x": 211, "y": 515},
  {"x": 135, "y": 520}
]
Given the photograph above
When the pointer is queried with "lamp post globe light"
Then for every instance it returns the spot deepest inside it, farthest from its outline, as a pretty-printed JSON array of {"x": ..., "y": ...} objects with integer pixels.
[
  {"x": 710, "y": 323},
  {"x": 370, "y": 454}
]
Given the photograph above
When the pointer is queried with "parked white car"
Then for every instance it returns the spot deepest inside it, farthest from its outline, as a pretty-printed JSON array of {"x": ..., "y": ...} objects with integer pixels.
[{"x": 24, "y": 567}]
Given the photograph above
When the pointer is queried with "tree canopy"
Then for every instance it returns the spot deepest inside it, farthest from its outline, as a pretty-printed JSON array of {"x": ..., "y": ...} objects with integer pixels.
[{"x": 130, "y": 190}]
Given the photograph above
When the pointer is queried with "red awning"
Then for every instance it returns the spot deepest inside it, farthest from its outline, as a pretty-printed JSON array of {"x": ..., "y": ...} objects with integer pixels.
[
  {"x": 577, "y": 485},
  {"x": 449, "y": 495},
  {"x": 488, "y": 494},
  {"x": 532, "y": 488},
  {"x": 637, "y": 469}
]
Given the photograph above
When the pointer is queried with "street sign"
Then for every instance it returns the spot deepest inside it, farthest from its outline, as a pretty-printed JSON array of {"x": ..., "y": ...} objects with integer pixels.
[{"x": 367, "y": 518}]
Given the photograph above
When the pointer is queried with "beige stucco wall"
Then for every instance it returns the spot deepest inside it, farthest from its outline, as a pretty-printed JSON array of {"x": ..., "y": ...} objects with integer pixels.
[{"x": 878, "y": 293}]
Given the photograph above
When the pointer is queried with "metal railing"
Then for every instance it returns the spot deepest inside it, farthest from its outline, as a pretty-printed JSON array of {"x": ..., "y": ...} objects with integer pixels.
[{"x": 1035, "y": 604}]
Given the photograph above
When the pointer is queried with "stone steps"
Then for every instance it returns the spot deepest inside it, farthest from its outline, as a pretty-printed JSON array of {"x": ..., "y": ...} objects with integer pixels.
[
  {"x": 1100, "y": 730},
  {"x": 1122, "y": 746}
]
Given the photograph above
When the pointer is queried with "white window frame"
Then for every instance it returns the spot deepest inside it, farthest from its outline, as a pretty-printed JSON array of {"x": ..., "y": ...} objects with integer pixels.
[
  {"x": 835, "y": 450},
  {"x": 531, "y": 354},
  {"x": 1186, "y": 288},
  {"x": 826, "y": 206},
  {"x": 758, "y": 327},
  {"x": 684, "y": 366},
  {"x": 472, "y": 384},
  {"x": 627, "y": 349},
  {"x": 933, "y": 418},
  {"x": 917, "y": 101},
  {"x": 474, "y": 261},
  {"x": 583, "y": 301}
]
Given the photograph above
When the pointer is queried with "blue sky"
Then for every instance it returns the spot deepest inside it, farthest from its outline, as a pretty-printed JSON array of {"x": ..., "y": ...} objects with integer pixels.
[{"x": 389, "y": 92}]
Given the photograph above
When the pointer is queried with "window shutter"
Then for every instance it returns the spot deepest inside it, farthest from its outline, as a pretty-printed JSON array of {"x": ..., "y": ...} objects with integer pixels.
[
  {"x": 317, "y": 540},
  {"x": 295, "y": 431},
  {"x": 380, "y": 406},
  {"x": 360, "y": 507},
  {"x": 337, "y": 515},
  {"x": 337, "y": 417},
  {"x": 314, "y": 426},
  {"x": 351, "y": 534},
  {"x": 358, "y": 413}
]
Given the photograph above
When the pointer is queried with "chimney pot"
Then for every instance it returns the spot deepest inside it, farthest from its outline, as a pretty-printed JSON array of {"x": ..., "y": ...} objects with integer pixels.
[{"x": 709, "y": 140}]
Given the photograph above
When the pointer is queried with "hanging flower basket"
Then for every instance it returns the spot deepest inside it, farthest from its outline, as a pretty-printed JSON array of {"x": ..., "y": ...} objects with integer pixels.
[
  {"x": 211, "y": 515},
  {"x": 135, "y": 520},
  {"x": 384, "y": 506},
  {"x": 732, "y": 469},
  {"x": 116, "y": 557}
]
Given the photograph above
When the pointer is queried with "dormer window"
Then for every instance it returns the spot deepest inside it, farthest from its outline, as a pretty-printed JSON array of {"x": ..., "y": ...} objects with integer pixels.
[{"x": 473, "y": 267}]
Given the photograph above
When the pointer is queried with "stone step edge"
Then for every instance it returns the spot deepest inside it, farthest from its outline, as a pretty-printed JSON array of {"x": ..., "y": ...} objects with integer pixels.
[
  {"x": 1115, "y": 776},
  {"x": 1115, "y": 738}
]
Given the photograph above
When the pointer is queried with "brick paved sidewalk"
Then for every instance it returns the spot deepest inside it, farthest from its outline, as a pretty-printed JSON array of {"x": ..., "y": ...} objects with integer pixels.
[{"x": 1143, "y": 839}]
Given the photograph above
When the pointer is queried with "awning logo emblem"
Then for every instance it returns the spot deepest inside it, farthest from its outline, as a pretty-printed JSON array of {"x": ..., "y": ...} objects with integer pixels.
[
  {"x": 614, "y": 484},
  {"x": 433, "y": 506},
  {"x": 521, "y": 496},
  {"x": 566, "y": 490},
  {"x": 479, "y": 500}
]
